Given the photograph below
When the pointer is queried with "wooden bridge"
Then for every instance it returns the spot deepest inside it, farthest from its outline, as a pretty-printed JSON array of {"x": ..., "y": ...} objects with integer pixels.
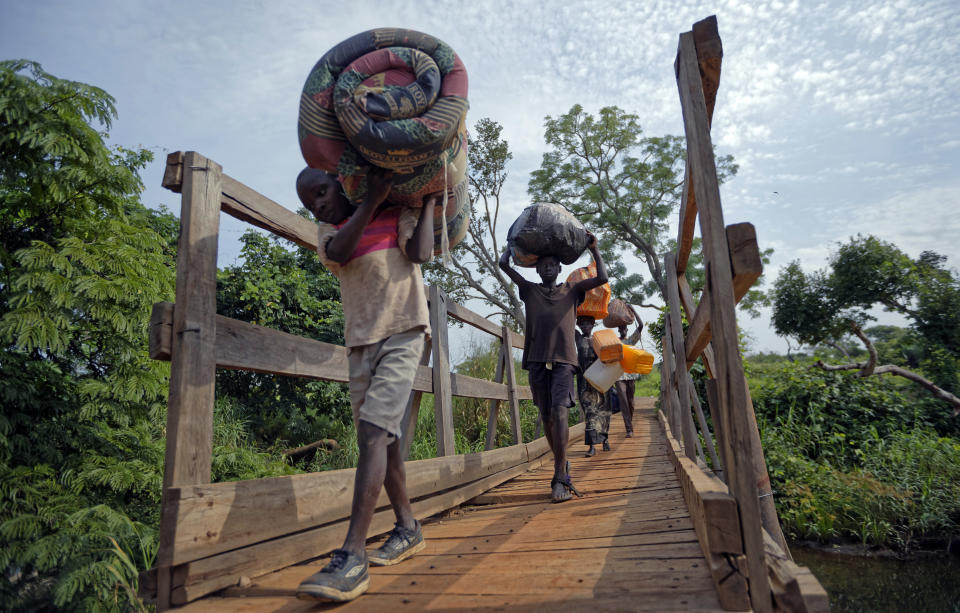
[{"x": 678, "y": 518}]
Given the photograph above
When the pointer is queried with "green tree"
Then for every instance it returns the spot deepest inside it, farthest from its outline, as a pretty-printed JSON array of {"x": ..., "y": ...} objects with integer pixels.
[
  {"x": 625, "y": 186},
  {"x": 81, "y": 263},
  {"x": 289, "y": 291},
  {"x": 82, "y": 406},
  {"x": 473, "y": 271},
  {"x": 825, "y": 306}
]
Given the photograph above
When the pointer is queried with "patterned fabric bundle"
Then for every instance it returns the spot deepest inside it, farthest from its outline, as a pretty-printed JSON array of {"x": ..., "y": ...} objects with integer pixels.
[
  {"x": 595, "y": 301},
  {"x": 397, "y": 99},
  {"x": 618, "y": 314}
]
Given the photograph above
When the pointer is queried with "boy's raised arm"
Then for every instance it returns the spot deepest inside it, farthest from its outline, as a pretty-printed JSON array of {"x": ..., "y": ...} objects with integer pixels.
[
  {"x": 505, "y": 267},
  {"x": 345, "y": 241},
  {"x": 588, "y": 284}
]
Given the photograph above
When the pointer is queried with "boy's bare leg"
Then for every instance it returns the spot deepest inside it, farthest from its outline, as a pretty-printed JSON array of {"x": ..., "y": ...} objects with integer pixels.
[
  {"x": 396, "y": 485},
  {"x": 560, "y": 431},
  {"x": 371, "y": 471},
  {"x": 626, "y": 407}
]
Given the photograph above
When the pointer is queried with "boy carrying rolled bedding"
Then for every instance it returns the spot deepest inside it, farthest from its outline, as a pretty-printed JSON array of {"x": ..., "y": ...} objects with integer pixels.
[
  {"x": 377, "y": 259},
  {"x": 550, "y": 351}
]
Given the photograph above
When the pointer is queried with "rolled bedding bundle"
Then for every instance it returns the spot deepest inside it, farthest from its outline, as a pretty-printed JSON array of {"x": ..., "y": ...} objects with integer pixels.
[
  {"x": 595, "y": 301},
  {"x": 618, "y": 314},
  {"x": 396, "y": 99},
  {"x": 545, "y": 228}
]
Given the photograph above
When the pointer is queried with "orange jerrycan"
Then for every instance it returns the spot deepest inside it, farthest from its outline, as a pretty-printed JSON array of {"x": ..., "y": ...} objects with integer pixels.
[
  {"x": 595, "y": 301},
  {"x": 607, "y": 345},
  {"x": 636, "y": 360}
]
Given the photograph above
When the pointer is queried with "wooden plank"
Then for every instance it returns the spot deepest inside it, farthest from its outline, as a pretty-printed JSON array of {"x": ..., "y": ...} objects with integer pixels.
[
  {"x": 713, "y": 403},
  {"x": 161, "y": 331},
  {"x": 198, "y": 578},
  {"x": 723, "y": 316},
  {"x": 513, "y": 399},
  {"x": 709, "y": 57},
  {"x": 412, "y": 411},
  {"x": 222, "y": 516},
  {"x": 747, "y": 267},
  {"x": 173, "y": 172},
  {"x": 189, "y": 440},
  {"x": 682, "y": 380},
  {"x": 442, "y": 393},
  {"x": 745, "y": 261},
  {"x": 462, "y": 313},
  {"x": 245, "y": 346},
  {"x": 665, "y": 600},
  {"x": 717, "y": 524},
  {"x": 192, "y": 369},
  {"x": 494, "y": 408},
  {"x": 704, "y": 428},
  {"x": 248, "y": 205},
  {"x": 690, "y": 307},
  {"x": 794, "y": 587}
]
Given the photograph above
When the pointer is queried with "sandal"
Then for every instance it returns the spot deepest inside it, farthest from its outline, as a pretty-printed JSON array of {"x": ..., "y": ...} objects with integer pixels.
[{"x": 569, "y": 490}]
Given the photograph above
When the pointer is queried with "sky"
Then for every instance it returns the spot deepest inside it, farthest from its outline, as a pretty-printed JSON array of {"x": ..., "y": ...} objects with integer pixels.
[{"x": 842, "y": 116}]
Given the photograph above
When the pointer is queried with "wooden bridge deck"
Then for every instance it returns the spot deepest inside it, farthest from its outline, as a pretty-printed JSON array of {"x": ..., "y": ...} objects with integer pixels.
[{"x": 627, "y": 545}]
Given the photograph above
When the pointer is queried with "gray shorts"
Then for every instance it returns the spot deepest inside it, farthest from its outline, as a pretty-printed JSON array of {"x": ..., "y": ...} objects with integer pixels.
[{"x": 381, "y": 379}]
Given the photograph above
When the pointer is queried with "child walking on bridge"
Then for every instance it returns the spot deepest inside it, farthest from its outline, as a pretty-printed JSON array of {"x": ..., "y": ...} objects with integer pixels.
[
  {"x": 376, "y": 254},
  {"x": 550, "y": 352},
  {"x": 596, "y": 405}
]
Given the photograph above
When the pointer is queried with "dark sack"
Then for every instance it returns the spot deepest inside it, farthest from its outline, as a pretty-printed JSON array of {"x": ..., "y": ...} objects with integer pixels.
[
  {"x": 617, "y": 314},
  {"x": 543, "y": 229}
]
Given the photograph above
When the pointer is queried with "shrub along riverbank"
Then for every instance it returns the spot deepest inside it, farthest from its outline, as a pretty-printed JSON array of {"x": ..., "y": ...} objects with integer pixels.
[{"x": 871, "y": 461}]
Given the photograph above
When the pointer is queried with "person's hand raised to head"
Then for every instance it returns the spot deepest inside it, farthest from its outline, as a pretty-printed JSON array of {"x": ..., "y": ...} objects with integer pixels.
[{"x": 379, "y": 184}]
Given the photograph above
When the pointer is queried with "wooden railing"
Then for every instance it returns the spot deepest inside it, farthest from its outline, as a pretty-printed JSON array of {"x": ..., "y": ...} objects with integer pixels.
[
  {"x": 731, "y": 502},
  {"x": 214, "y": 535}
]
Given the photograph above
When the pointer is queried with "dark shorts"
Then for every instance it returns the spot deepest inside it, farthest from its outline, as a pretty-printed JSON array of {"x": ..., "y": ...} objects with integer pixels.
[{"x": 551, "y": 387}]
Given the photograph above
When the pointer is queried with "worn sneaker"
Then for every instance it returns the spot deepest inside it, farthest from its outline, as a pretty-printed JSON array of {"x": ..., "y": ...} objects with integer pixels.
[
  {"x": 343, "y": 578},
  {"x": 606, "y": 446},
  {"x": 400, "y": 545}
]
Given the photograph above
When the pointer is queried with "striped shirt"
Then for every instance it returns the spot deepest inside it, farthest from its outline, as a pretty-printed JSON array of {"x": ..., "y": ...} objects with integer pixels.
[{"x": 381, "y": 289}]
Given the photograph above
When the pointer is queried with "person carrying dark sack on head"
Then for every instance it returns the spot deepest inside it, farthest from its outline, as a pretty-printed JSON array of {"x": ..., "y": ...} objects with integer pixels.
[{"x": 550, "y": 351}]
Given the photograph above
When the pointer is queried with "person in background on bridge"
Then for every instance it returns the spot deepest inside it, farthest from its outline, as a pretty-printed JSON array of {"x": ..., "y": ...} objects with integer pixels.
[
  {"x": 377, "y": 256},
  {"x": 595, "y": 404},
  {"x": 550, "y": 351},
  {"x": 626, "y": 387}
]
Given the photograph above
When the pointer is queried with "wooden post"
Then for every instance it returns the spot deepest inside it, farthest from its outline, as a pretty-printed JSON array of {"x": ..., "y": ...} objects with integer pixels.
[
  {"x": 494, "y": 403},
  {"x": 442, "y": 392},
  {"x": 189, "y": 444},
  {"x": 412, "y": 412},
  {"x": 676, "y": 335},
  {"x": 512, "y": 383},
  {"x": 723, "y": 323},
  {"x": 704, "y": 429},
  {"x": 673, "y": 400}
]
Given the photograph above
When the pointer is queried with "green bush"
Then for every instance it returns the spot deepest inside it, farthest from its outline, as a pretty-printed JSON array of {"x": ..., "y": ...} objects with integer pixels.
[{"x": 854, "y": 458}]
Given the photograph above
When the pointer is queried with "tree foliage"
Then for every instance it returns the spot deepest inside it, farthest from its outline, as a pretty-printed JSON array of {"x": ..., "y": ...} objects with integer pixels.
[
  {"x": 826, "y": 305},
  {"x": 81, "y": 266},
  {"x": 289, "y": 291},
  {"x": 82, "y": 407},
  {"x": 625, "y": 186}
]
